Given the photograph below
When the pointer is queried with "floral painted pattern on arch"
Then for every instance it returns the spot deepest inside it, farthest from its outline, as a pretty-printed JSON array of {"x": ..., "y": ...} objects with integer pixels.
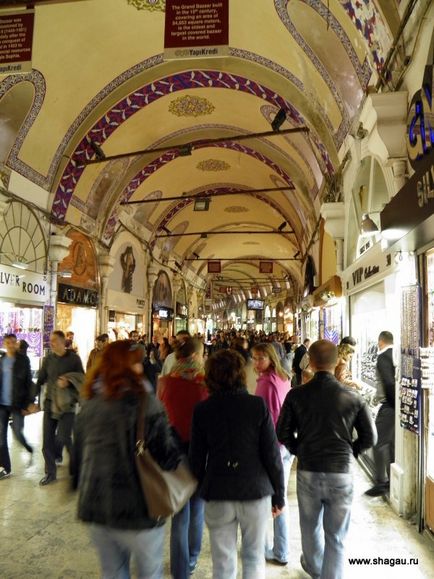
[{"x": 370, "y": 24}]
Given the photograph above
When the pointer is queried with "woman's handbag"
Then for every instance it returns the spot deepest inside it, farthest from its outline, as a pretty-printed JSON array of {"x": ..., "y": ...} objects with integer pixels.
[{"x": 165, "y": 491}]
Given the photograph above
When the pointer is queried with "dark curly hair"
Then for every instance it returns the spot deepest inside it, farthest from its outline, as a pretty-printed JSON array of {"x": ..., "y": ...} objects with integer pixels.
[{"x": 225, "y": 370}]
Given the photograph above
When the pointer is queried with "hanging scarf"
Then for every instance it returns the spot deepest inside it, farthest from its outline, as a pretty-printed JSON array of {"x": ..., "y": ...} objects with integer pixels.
[{"x": 189, "y": 369}]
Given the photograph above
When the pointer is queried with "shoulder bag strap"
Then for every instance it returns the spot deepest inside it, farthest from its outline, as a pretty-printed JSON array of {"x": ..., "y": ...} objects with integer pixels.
[{"x": 141, "y": 413}]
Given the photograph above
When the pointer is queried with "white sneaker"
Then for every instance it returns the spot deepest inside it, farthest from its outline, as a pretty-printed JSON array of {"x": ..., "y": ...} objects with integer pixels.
[{"x": 4, "y": 473}]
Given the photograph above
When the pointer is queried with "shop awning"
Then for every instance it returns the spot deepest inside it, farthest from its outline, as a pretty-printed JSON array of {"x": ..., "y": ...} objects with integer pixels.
[
  {"x": 331, "y": 288},
  {"x": 407, "y": 221}
]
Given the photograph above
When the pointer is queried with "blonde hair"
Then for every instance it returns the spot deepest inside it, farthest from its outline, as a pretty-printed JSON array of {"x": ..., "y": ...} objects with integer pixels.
[
  {"x": 270, "y": 351},
  {"x": 345, "y": 351}
]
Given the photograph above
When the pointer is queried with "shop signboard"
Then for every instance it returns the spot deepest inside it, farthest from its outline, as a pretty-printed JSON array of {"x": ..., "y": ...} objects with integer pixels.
[
  {"x": 23, "y": 286},
  {"x": 368, "y": 269},
  {"x": 162, "y": 312},
  {"x": 407, "y": 216},
  {"x": 77, "y": 296},
  {"x": 16, "y": 38},
  {"x": 196, "y": 28}
]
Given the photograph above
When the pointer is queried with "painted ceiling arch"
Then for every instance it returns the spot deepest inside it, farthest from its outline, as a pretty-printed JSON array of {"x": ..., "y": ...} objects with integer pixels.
[{"x": 151, "y": 92}]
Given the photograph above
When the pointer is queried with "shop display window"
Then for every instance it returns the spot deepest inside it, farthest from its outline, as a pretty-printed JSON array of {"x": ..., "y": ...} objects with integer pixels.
[
  {"x": 368, "y": 319},
  {"x": 428, "y": 366},
  {"x": 333, "y": 323},
  {"x": 26, "y": 323}
]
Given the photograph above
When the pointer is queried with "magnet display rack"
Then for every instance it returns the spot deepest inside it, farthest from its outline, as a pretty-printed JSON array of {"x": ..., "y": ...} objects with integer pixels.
[{"x": 410, "y": 384}]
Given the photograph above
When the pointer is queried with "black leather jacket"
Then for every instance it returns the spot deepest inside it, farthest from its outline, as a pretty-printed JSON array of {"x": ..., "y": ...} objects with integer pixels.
[
  {"x": 316, "y": 424},
  {"x": 234, "y": 452},
  {"x": 23, "y": 389},
  {"x": 103, "y": 465}
]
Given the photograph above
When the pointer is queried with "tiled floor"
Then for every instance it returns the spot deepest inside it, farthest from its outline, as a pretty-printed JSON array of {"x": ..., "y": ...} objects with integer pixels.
[{"x": 40, "y": 536}]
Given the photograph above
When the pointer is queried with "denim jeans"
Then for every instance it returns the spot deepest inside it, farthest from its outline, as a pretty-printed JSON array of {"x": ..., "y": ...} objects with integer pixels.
[
  {"x": 186, "y": 538},
  {"x": 278, "y": 546},
  {"x": 115, "y": 547},
  {"x": 222, "y": 519},
  {"x": 324, "y": 502}
]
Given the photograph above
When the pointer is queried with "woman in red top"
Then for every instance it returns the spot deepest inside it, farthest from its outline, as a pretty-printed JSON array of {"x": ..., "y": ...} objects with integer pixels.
[{"x": 180, "y": 391}]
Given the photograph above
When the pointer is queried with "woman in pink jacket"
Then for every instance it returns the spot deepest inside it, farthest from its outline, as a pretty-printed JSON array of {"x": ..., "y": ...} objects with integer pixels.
[{"x": 273, "y": 384}]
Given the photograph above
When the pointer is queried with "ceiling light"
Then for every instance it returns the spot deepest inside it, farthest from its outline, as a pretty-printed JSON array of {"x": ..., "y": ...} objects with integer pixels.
[
  {"x": 201, "y": 204},
  {"x": 368, "y": 227},
  {"x": 204, "y": 235},
  {"x": 99, "y": 153},
  {"x": 166, "y": 230},
  {"x": 282, "y": 226},
  {"x": 65, "y": 274},
  {"x": 393, "y": 234},
  {"x": 196, "y": 255},
  {"x": 20, "y": 264},
  {"x": 279, "y": 119},
  {"x": 185, "y": 150}
]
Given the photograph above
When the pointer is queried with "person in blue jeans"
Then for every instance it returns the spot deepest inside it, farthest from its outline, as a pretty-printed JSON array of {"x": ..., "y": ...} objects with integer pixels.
[
  {"x": 180, "y": 391},
  {"x": 316, "y": 424},
  {"x": 103, "y": 468},
  {"x": 235, "y": 456},
  {"x": 273, "y": 385}
]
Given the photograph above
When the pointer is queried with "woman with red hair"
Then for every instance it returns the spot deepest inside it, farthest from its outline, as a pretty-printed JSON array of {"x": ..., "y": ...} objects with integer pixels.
[{"x": 104, "y": 470}]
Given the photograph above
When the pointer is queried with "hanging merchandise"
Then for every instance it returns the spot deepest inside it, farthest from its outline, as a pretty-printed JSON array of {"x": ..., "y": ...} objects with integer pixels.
[{"x": 410, "y": 362}]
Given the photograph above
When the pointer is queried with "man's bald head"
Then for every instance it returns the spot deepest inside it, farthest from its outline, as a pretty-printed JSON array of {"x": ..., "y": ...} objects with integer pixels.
[{"x": 323, "y": 356}]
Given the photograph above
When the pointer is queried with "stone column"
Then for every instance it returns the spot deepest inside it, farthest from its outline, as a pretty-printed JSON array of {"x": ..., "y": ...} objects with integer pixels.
[
  {"x": 152, "y": 278},
  {"x": 58, "y": 249},
  {"x": 106, "y": 264}
]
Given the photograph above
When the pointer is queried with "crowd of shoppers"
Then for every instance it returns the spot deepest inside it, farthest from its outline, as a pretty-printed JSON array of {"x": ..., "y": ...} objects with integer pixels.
[{"x": 240, "y": 447}]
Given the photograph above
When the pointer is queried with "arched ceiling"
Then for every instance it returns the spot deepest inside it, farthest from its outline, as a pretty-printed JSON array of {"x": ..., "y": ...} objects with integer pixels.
[{"x": 99, "y": 77}]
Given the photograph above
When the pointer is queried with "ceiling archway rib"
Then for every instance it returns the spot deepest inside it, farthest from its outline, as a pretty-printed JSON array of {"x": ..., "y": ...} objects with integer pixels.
[{"x": 124, "y": 109}]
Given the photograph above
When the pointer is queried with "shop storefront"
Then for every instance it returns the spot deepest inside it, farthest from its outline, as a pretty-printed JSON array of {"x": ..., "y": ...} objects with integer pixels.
[
  {"x": 407, "y": 222},
  {"x": 162, "y": 311},
  {"x": 279, "y": 317},
  {"x": 427, "y": 383},
  {"x": 181, "y": 317},
  {"x": 288, "y": 318},
  {"x": 311, "y": 322},
  {"x": 126, "y": 292},
  {"x": 181, "y": 310},
  {"x": 328, "y": 298},
  {"x": 417, "y": 222},
  {"x": 267, "y": 319},
  {"x": 373, "y": 289},
  {"x": 22, "y": 298},
  {"x": 274, "y": 320},
  {"x": 78, "y": 293}
]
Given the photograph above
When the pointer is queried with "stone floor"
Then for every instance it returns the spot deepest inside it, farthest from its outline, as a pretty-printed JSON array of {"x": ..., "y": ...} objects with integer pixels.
[{"x": 40, "y": 536}]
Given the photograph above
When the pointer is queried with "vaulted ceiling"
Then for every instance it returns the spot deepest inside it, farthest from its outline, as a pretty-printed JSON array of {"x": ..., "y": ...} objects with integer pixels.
[{"x": 99, "y": 77}]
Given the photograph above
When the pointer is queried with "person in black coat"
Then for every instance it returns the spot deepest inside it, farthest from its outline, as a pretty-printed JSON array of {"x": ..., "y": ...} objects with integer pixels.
[
  {"x": 103, "y": 467},
  {"x": 298, "y": 356},
  {"x": 384, "y": 450},
  {"x": 316, "y": 424},
  {"x": 16, "y": 399},
  {"x": 235, "y": 456}
]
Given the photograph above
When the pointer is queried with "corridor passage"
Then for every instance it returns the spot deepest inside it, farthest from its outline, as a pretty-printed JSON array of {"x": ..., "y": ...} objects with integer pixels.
[{"x": 40, "y": 536}]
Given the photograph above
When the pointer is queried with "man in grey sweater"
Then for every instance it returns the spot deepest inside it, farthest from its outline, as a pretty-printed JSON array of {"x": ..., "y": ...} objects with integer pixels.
[{"x": 61, "y": 371}]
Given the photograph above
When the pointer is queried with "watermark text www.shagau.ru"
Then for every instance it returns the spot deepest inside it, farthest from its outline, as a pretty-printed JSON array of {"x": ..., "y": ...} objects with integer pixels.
[{"x": 389, "y": 561}]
